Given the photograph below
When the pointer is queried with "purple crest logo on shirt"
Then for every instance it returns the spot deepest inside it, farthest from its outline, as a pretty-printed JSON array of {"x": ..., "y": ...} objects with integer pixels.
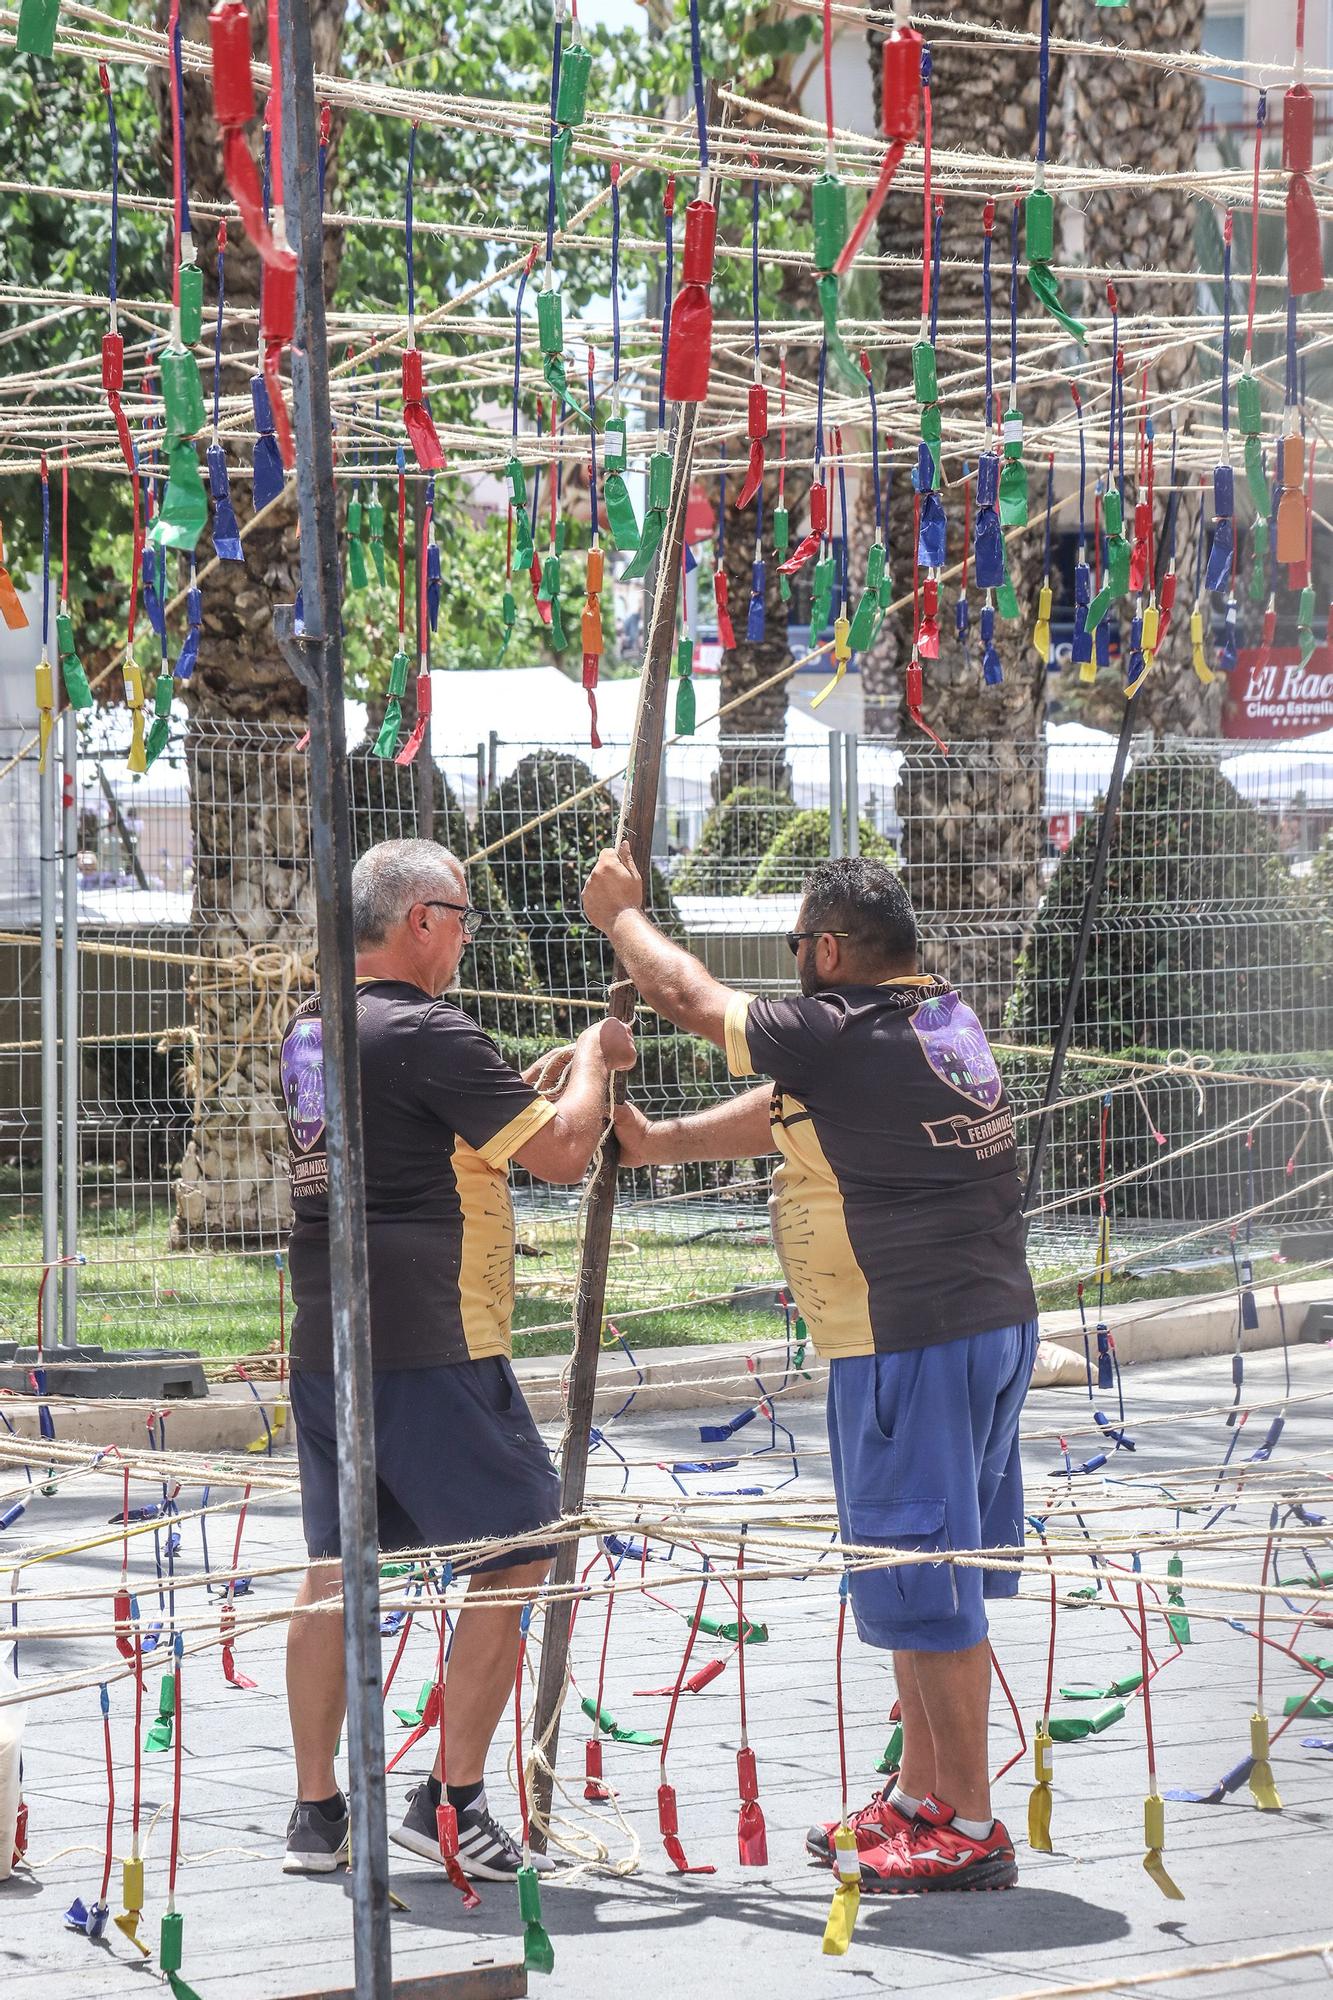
[
  {"x": 954, "y": 1044},
  {"x": 303, "y": 1082}
]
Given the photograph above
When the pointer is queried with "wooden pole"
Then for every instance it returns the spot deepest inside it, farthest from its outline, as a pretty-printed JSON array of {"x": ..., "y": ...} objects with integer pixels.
[{"x": 637, "y": 811}]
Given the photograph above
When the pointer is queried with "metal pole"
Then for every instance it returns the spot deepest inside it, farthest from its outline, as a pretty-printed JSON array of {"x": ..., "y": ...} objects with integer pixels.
[
  {"x": 835, "y": 841},
  {"x": 46, "y": 811},
  {"x": 636, "y": 824},
  {"x": 69, "y": 1032},
  {"x": 317, "y": 660},
  {"x": 853, "y": 796},
  {"x": 492, "y": 758},
  {"x": 423, "y": 770}
]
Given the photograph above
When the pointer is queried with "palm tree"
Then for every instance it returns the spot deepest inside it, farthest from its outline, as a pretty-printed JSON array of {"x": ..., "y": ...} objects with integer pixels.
[
  {"x": 1147, "y": 121},
  {"x": 751, "y": 661},
  {"x": 253, "y": 900},
  {"x": 972, "y": 822},
  {"x": 972, "y": 826}
]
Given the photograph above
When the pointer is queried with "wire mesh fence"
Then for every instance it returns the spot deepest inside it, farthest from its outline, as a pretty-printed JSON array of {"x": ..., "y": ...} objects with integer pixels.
[{"x": 1212, "y": 955}]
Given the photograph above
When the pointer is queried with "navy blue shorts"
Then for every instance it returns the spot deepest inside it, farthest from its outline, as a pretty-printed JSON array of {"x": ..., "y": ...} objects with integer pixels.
[
  {"x": 925, "y": 1456},
  {"x": 458, "y": 1458}
]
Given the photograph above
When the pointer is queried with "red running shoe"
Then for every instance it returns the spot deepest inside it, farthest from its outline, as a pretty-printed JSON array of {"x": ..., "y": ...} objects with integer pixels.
[
  {"x": 932, "y": 1854},
  {"x": 874, "y": 1825}
]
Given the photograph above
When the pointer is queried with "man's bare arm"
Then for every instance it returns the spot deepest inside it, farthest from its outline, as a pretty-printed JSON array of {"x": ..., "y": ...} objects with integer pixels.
[
  {"x": 738, "y": 1128},
  {"x": 560, "y": 1152},
  {"x": 674, "y": 984}
]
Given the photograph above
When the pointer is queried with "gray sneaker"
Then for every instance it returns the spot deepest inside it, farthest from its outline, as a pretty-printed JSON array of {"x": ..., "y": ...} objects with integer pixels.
[
  {"x": 486, "y": 1850},
  {"x": 316, "y": 1845}
]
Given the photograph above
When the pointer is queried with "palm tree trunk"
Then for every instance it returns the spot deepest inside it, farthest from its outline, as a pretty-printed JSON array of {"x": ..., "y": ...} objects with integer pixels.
[
  {"x": 761, "y": 722},
  {"x": 972, "y": 821},
  {"x": 253, "y": 898},
  {"x": 1147, "y": 121}
]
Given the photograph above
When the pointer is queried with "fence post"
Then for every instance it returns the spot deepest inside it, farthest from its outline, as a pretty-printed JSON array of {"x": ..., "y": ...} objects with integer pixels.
[
  {"x": 853, "y": 795},
  {"x": 46, "y": 815},
  {"x": 423, "y": 770},
  {"x": 70, "y": 1072},
  {"x": 835, "y": 829},
  {"x": 51, "y": 1031}
]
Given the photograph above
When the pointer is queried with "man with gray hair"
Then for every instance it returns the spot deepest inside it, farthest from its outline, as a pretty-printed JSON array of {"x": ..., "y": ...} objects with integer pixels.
[{"x": 458, "y": 1456}]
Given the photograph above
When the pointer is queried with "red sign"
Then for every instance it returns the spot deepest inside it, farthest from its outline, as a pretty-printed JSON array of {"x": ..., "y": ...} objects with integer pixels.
[
  {"x": 1277, "y": 696},
  {"x": 700, "y": 516}
]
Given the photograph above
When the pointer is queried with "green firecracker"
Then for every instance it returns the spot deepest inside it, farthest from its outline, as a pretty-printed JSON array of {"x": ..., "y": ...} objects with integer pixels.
[
  {"x": 1305, "y": 625},
  {"x": 684, "y": 720},
  {"x": 356, "y": 550},
  {"x": 159, "y": 1734},
  {"x": 1039, "y": 239},
  {"x": 160, "y": 730},
  {"x": 1013, "y": 497},
  {"x": 386, "y": 743},
  {"x": 37, "y": 28},
  {"x": 77, "y": 690},
  {"x": 192, "y": 303},
  {"x": 869, "y": 613},
  {"x": 1258, "y": 584},
  {"x": 375, "y": 517}
]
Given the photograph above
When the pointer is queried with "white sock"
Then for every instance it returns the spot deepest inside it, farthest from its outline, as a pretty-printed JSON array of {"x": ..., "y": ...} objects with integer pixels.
[
  {"x": 902, "y": 1802},
  {"x": 975, "y": 1829}
]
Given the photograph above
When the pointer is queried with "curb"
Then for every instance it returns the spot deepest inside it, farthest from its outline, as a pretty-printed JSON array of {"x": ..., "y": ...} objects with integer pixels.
[{"x": 728, "y": 1379}]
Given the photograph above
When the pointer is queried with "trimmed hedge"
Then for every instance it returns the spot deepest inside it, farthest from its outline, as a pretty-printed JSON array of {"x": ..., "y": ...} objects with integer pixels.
[
  {"x": 383, "y": 807},
  {"x": 1216, "y": 1181},
  {"x": 745, "y": 823},
  {"x": 1202, "y": 939},
  {"x": 675, "y": 1073},
  {"x": 802, "y": 842},
  {"x": 541, "y": 875}
]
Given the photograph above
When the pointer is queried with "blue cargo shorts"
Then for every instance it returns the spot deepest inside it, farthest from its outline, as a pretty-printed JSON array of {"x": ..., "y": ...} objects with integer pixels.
[
  {"x": 925, "y": 1456},
  {"x": 458, "y": 1458}
]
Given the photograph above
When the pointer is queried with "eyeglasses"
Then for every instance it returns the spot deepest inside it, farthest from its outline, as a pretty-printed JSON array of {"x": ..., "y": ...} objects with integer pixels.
[
  {"x": 794, "y": 938},
  {"x": 471, "y": 919}
]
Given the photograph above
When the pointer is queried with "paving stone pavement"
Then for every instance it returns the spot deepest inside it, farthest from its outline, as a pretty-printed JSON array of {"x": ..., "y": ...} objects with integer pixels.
[{"x": 1253, "y": 1882}]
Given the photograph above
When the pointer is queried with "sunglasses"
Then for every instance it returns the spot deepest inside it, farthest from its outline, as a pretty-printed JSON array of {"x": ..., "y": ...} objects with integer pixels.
[
  {"x": 794, "y": 938},
  {"x": 471, "y": 919}
]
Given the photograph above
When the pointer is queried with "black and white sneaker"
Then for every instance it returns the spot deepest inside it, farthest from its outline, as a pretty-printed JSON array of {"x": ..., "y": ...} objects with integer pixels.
[
  {"x": 316, "y": 1844},
  {"x": 486, "y": 1850}
]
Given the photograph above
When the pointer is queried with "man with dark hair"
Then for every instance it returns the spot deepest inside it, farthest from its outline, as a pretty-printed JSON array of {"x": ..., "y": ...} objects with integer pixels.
[
  {"x": 458, "y": 1456},
  {"x": 897, "y": 1221}
]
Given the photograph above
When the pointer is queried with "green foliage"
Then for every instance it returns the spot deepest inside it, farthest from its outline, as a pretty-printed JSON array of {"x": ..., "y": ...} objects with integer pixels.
[
  {"x": 745, "y": 823},
  {"x": 1199, "y": 1186},
  {"x": 1200, "y": 942},
  {"x": 541, "y": 873},
  {"x": 53, "y": 129},
  {"x": 383, "y": 807},
  {"x": 1315, "y": 891},
  {"x": 802, "y": 842},
  {"x": 471, "y": 628},
  {"x": 675, "y": 1073}
]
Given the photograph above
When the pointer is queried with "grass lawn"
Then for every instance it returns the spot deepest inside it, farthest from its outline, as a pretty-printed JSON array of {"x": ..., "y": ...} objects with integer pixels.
[{"x": 133, "y": 1294}]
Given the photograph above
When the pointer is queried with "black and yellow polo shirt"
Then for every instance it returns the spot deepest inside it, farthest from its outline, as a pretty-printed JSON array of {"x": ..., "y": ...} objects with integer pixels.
[
  {"x": 443, "y": 1114},
  {"x": 896, "y": 1209}
]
